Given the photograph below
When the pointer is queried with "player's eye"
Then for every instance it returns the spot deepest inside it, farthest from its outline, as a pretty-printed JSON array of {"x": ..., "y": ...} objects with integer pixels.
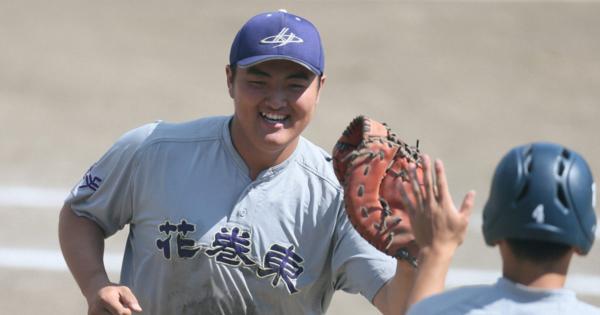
[
  {"x": 257, "y": 83},
  {"x": 297, "y": 86}
]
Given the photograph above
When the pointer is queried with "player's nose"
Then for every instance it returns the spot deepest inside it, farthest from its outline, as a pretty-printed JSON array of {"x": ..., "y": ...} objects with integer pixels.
[{"x": 277, "y": 99}]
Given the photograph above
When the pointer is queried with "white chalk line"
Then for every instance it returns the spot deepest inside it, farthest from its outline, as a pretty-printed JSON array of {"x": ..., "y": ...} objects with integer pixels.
[
  {"x": 52, "y": 260},
  {"x": 32, "y": 197},
  {"x": 47, "y": 259},
  {"x": 51, "y": 198}
]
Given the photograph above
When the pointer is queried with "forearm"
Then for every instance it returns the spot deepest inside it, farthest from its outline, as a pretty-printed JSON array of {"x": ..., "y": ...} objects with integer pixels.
[
  {"x": 393, "y": 297},
  {"x": 430, "y": 278},
  {"x": 82, "y": 245}
]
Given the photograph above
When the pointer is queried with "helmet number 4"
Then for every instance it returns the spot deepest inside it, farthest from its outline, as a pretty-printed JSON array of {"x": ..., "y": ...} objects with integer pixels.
[{"x": 538, "y": 213}]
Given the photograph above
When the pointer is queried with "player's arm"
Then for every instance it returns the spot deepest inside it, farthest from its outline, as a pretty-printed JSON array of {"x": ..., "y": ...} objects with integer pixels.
[
  {"x": 82, "y": 245},
  {"x": 439, "y": 229},
  {"x": 410, "y": 285},
  {"x": 391, "y": 298}
]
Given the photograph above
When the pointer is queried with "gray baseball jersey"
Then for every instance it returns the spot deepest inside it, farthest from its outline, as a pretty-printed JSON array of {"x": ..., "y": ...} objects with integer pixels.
[
  {"x": 206, "y": 239},
  {"x": 503, "y": 298}
]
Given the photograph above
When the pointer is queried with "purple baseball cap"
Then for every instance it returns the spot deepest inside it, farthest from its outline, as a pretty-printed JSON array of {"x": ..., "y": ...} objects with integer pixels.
[{"x": 278, "y": 35}]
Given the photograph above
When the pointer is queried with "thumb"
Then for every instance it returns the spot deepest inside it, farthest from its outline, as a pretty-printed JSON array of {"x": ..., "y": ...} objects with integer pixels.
[
  {"x": 129, "y": 300},
  {"x": 467, "y": 204}
]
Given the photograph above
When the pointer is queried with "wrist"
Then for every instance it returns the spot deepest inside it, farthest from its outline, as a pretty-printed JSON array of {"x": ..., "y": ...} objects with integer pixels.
[
  {"x": 438, "y": 253},
  {"x": 404, "y": 267},
  {"x": 94, "y": 284},
  {"x": 430, "y": 279}
]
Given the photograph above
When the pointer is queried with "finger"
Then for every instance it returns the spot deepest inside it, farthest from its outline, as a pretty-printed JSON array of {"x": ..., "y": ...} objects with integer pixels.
[
  {"x": 129, "y": 300},
  {"x": 114, "y": 305},
  {"x": 427, "y": 179},
  {"x": 442, "y": 184},
  {"x": 415, "y": 186},
  {"x": 116, "y": 308},
  {"x": 406, "y": 200},
  {"x": 467, "y": 204}
]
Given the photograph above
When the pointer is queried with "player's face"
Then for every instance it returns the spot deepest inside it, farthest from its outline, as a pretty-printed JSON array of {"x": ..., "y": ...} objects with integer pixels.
[{"x": 274, "y": 102}]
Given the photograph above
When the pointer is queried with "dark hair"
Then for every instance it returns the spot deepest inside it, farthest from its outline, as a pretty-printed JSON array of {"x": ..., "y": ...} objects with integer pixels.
[
  {"x": 537, "y": 251},
  {"x": 233, "y": 69}
]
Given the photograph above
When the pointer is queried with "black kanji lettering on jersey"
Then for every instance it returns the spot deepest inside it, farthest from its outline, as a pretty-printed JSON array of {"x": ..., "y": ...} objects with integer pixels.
[
  {"x": 90, "y": 181},
  {"x": 231, "y": 247},
  {"x": 283, "y": 264},
  {"x": 186, "y": 247}
]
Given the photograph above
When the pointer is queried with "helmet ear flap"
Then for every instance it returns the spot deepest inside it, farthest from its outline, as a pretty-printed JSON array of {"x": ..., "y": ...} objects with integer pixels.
[
  {"x": 509, "y": 185},
  {"x": 582, "y": 193}
]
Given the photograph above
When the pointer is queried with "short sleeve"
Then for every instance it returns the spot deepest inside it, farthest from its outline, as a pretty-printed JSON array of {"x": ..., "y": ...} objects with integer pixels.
[
  {"x": 358, "y": 267},
  {"x": 104, "y": 193}
]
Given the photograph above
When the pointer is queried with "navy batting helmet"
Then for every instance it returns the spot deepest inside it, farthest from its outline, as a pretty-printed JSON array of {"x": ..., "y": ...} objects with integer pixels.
[{"x": 544, "y": 192}]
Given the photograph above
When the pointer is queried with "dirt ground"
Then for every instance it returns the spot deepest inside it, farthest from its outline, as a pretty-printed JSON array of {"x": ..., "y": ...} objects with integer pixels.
[{"x": 469, "y": 79}]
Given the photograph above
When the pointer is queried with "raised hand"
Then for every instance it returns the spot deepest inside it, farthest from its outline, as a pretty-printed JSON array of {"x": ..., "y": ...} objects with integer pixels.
[{"x": 436, "y": 222}]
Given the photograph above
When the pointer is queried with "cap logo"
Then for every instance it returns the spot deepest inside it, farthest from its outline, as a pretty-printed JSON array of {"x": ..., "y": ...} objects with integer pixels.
[{"x": 283, "y": 38}]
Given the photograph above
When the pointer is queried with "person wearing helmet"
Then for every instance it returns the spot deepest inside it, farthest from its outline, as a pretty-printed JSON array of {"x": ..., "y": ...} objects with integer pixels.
[{"x": 540, "y": 212}]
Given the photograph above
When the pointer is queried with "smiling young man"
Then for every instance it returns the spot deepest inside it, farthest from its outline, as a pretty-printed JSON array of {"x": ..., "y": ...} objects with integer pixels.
[
  {"x": 274, "y": 102},
  {"x": 230, "y": 215}
]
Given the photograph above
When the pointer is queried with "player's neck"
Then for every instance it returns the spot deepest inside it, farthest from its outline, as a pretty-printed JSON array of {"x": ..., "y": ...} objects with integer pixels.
[
  {"x": 258, "y": 160},
  {"x": 544, "y": 275},
  {"x": 536, "y": 278}
]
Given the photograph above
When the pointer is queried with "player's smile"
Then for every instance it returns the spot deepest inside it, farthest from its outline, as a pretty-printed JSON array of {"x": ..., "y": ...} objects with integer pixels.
[{"x": 273, "y": 117}]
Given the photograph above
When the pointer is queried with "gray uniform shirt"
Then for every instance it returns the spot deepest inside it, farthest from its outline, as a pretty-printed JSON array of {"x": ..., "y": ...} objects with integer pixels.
[
  {"x": 206, "y": 239},
  {"x": 503, "y": 298}
]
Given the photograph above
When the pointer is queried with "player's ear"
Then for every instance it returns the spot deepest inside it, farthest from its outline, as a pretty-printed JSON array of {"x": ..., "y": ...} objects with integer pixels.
[
  {"x": 321, "y": 83},
  {"x": 230, "y": 77}
]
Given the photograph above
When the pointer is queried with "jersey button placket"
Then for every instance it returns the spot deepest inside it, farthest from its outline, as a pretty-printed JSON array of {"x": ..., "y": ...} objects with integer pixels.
[{"x": 241, "y": 210}]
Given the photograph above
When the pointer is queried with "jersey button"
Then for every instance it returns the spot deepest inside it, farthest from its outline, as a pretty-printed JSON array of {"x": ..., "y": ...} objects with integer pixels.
[{"x": 242, "y": 213}]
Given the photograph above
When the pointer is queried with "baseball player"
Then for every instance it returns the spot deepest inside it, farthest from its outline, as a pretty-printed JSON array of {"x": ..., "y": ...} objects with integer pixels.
[
  {"x": 229, "y": 215},
  {"x": 539, "y": 213}
]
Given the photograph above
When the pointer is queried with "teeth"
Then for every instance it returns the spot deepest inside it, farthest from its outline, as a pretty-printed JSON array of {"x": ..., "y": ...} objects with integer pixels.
[{"x": 271, "y": 116}]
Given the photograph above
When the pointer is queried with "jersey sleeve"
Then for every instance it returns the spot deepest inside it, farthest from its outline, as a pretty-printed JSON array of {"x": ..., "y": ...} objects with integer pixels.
[
  {"x": 104, "y": 194},
  {"x": 358, "y": 267}
]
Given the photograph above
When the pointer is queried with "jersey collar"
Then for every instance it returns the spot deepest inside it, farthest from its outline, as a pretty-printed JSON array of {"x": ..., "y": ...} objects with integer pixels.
[{"x": 267, "y": 173}]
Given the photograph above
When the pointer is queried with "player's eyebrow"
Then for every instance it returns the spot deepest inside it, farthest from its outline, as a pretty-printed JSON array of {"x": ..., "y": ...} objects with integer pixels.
[
  {"x": 255, "y": 71},
  {"x": 303, "y": 75},
  {"x": 299, "y": 75}
]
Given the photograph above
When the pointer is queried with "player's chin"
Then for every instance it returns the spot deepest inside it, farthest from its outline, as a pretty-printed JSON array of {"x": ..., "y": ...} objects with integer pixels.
[
  {"x": 281, "y": 139},
  {"x": 277, "y": 139}
]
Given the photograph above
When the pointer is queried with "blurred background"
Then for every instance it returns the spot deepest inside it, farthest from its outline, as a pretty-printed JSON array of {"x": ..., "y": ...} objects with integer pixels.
[{"x": 469, "y": 79}]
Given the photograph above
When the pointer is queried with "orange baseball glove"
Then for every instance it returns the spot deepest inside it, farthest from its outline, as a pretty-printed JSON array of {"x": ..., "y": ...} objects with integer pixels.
[{"x": 371, "y": 162}]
